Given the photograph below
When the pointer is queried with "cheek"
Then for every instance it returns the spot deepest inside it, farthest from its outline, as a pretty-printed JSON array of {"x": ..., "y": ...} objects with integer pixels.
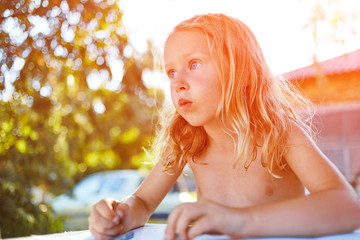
[
  {"x": 172, "y": 94},
  {"x": 214, "y": 98}
]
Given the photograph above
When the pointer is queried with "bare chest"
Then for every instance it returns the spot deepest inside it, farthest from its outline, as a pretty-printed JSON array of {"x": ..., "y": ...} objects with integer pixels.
[{"x": 218, "y": 181}]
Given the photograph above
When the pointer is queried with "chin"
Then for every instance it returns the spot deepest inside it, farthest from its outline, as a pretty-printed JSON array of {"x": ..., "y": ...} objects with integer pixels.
[{"x": 195, "y": 122}]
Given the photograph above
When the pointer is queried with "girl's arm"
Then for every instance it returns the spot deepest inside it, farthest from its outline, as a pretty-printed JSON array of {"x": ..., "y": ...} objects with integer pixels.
[
  {"x": 110, "y": 218},
  {"x": 331, "y": 207},
  {"x": 150, "y": 194}
]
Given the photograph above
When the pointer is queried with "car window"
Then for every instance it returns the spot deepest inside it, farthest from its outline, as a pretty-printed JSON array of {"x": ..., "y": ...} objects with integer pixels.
[
  {"x": 175, "y": 188},
  {"x": 141, "y": 180},
  {"x": 113, "y": 184},
  {"x": 87, "y": 187}
]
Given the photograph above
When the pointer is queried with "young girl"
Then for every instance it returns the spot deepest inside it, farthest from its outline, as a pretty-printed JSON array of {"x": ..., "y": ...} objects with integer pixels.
[{"x": 245, "y": 135}]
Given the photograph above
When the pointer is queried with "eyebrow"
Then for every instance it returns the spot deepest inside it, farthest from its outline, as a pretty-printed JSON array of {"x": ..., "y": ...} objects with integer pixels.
[{"x": 187, "y": 55}]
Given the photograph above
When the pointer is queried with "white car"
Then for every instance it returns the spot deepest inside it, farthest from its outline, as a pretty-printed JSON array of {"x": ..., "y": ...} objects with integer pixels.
[{"x": 117, "y": 184}]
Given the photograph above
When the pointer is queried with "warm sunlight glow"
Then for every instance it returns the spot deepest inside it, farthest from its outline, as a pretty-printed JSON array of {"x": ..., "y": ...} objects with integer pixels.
[{"x": 278, "y": 25}]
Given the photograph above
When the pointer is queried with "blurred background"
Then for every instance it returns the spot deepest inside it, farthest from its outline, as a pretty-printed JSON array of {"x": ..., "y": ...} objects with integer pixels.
[{"x": 79, "y": 94}]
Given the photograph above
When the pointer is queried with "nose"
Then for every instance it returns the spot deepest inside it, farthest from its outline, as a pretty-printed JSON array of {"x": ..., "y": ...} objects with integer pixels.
[
  {"x": 180, "y": 84},
  {"x": 181, "y": 87}
]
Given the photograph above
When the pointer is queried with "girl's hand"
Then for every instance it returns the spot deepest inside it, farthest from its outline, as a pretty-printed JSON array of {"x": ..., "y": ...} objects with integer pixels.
[
  {"x": 205, "y": 217},
  {"x": 108, "y": 219}
]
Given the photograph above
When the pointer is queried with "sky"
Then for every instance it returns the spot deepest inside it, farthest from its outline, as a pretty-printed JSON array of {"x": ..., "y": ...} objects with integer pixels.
[{"x": 277, "y": 24}]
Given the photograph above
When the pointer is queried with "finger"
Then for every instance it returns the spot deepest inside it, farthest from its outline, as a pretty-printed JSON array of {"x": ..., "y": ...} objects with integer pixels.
[
  {"x": 202, "y": 226},
  {"x": 96, "y": 221},
  {"x": 98, "y": 235},
  {"x": 116, "y": 231},
  {"x": 107, "y": 232},
  {"x": 180, "y": 218},
  {"x": 114, "y": 204},
  {"x": 105, "y": 208},
  {"x": 99, "y": 228},
  {"x": 188, "y": 215},
  {"x": 171, "y": 222},
  {"x": 122, "y": 210},
  {"x": 99, "y": 222}
]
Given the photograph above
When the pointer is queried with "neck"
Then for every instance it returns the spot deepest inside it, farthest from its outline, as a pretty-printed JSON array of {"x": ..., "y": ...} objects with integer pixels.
[{"x": 218, "y": 138}]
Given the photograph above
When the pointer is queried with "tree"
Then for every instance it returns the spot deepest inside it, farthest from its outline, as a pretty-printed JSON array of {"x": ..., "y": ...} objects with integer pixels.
[
  {"x": 72, "y": 102},
  {"x": 331, "y": 22}
]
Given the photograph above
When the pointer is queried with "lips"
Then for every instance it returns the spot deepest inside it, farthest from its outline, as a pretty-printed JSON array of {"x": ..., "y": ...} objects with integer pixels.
[{"x": 184, "y": 103}]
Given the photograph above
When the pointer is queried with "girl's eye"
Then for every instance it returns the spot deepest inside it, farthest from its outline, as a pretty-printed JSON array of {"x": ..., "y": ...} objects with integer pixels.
[
  {"x": 172, "y": 74},
  {"x": 194, "y": 65}
]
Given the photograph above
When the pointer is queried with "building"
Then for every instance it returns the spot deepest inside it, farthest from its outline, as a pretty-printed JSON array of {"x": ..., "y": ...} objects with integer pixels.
[{"x": 334, "y": 86}]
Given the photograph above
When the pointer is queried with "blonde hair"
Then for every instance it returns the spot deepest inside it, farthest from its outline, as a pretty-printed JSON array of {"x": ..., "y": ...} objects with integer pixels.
[{"x": 256, "y": 109}]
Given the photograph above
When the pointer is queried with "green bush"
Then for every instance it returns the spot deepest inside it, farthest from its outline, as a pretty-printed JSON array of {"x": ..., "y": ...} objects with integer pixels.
[{"x": 56, "y": 125}]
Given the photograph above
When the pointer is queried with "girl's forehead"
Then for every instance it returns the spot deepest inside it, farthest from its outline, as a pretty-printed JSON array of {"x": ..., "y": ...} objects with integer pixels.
[
  {"x": 185, "y": 42},
  {"x": 185, "y": 31},
  {"x": 194, "y": 36}
]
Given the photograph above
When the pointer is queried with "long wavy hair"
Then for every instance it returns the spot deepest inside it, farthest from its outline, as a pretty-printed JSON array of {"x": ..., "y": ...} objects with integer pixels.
[{"x": 256, "y": 108}]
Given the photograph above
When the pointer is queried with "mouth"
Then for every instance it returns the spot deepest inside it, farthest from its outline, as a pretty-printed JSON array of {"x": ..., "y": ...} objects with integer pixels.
[{"x": 184, "y": 104}]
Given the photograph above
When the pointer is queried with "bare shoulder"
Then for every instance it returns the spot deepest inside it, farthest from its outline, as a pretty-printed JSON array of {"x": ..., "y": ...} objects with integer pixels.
[
  {"x": 297, "y": 135},
  {"x": 308, "y": 162}
]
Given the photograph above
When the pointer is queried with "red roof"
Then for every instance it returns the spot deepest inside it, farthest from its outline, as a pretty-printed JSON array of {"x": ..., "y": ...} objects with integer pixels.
[{"x": 346, "y": 63}]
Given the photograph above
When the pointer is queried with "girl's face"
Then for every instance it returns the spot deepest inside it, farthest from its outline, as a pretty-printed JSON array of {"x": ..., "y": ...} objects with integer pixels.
[{"x": 194, "y": 82}]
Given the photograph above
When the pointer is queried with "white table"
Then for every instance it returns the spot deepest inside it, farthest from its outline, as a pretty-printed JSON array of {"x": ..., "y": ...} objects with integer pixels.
[{"x": 156, "y": 232}]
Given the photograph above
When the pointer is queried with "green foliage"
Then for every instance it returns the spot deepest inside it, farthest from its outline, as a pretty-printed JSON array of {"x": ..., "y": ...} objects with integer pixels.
[{"x": 72, "y": 102}]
